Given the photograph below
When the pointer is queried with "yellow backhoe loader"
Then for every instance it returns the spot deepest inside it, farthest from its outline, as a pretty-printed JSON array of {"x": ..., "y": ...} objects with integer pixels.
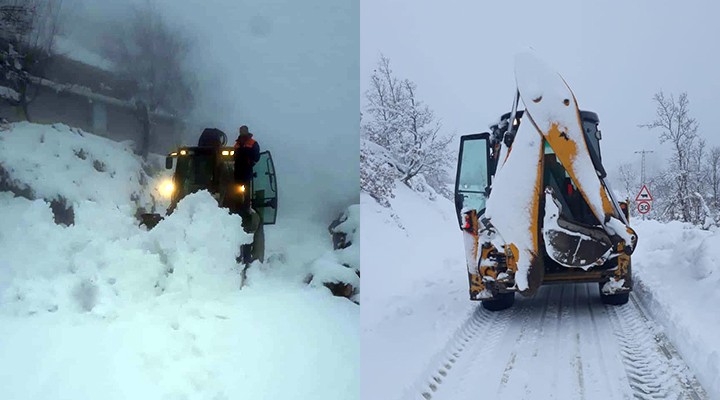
[{"x": 532, "y": 200}]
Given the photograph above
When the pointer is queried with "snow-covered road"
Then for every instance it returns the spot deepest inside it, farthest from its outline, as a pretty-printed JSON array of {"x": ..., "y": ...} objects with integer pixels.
[
  {"x": 561, "y": 344},
  {"x": 423, "y": 339}
]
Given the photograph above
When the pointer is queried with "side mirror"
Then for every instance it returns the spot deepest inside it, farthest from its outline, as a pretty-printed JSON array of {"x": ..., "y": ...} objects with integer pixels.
[
  {"x": 598, "y": 134},
  {"x": 168, "y": 162}
]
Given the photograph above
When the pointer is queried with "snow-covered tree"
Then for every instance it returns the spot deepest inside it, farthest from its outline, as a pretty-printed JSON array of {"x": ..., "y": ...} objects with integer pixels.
[
  {"x": 151, "y": 53},
  {"x": 401, "y": 123},
  {"x": 678, "y": 128},
  {"x": 713, "y": 166},
  {"x": 27, "y": 34},
  {"x": 629, "y": 182}
]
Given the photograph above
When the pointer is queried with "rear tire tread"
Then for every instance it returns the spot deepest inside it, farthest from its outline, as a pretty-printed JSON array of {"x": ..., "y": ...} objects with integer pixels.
[{"x": 501, "y": 301}]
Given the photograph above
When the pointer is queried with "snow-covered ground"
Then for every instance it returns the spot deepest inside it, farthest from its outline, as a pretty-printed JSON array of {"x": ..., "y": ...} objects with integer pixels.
[
  {"x": 103, "y": 308},
  {"x": 423, "y": 338},
  {"x": 415, "y": 284}
]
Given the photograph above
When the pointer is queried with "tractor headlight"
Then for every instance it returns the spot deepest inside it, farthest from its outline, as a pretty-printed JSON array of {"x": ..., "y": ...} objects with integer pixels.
[
  {"x": 241, "y": 188},
  {"x": 167, "y": 188}
]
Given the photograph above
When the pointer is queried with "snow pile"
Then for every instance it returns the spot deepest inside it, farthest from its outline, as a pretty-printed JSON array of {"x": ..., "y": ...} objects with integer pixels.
[
  {"x": 57, "y": 161},
  {"x": 105, "y": 262},
  {"x": 677, "y": 273},
  {"x": 419, "y": 293},
  {"x": 103, "y": 308}
]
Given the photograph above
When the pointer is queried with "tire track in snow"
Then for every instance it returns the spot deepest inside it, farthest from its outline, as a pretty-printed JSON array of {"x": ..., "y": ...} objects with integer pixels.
[
  {"x": 577, "y": 361},
  {"x": 525, "y": 315},
  {"x": 600, "y": 350},
  {"x": 456, "y": 349},
  {"x": 563, "y": 343},
  {"x": 532, "y": 319},
  {"x": 653, "y": 366}
]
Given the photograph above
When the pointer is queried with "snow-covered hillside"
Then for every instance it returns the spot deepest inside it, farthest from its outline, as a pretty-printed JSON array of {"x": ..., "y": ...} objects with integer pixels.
[
  {"x": 101, "y": 308},
  {"x": 423, "y": 338}
]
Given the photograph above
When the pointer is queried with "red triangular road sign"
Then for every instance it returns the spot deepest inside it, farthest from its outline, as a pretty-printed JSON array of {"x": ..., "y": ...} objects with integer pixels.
[{"x": 644, "y": 195}]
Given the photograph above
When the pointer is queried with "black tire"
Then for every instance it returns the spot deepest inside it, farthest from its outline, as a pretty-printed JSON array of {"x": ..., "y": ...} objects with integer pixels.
[
  {"x": 501, "y": 302},
  {"x": 614, "y": 299}
]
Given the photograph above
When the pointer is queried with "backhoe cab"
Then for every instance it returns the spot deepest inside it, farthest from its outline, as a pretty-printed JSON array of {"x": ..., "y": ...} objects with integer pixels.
[
  {"x": 533, "y": 204},
  {"x": 211, "y": 168}
]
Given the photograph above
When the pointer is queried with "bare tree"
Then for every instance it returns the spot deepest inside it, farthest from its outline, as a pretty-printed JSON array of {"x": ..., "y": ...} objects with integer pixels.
[
  {"x": 28, "y": 29},
  {"x": 151, "y": 53},
  {"x": 405, "y": 126},
  {"x": 628, "y": 178},
  {"x": 713, "y": 166},
  {"x": 677, "y": 127}
]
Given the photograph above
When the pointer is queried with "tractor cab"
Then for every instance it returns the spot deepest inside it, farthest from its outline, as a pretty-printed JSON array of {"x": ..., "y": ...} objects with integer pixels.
[{"x": 211, "y": 168}]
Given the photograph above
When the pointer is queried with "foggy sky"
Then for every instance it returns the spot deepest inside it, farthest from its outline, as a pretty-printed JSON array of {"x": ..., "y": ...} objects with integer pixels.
[
  {"x": 614, "y": 55},
  {"x": 288, "y": 70}
]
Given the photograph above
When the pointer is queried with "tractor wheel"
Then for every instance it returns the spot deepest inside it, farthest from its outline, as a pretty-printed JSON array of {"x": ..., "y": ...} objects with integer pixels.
[
  {"x": 614, "y": 299},
  {"x": 501, "y": 302}
]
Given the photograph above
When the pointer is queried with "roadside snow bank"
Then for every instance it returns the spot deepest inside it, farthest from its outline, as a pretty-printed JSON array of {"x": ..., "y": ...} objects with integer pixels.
[
  {"x": 677, "y": 272},
  {"x": 57, "y": 161},
  {"x": 419, "y": 294}
]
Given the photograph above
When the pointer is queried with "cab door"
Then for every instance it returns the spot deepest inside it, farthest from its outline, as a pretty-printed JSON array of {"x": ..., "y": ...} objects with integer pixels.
[
  {"x": 264, "y": 198},
  {"x": 472, "y": 180}
]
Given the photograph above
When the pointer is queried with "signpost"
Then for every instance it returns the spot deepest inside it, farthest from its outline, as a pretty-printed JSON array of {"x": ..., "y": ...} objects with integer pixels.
[{"x": 644, "y": 200}]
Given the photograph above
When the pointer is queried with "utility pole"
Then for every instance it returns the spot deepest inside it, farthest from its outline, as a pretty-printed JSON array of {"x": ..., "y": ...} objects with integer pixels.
[
  {"x": 642, "y": 169},
  {"x": 642, "y": 163}
]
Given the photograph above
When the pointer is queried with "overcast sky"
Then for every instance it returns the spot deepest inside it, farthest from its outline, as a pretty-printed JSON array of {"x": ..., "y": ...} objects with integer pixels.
[
  {"x": 288, "y": 70},
  {"x": 614, "y": 54}
]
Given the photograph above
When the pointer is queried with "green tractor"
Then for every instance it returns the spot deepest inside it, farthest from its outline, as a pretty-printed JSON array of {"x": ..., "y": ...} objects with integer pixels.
[{"x": 211, "y": 168}]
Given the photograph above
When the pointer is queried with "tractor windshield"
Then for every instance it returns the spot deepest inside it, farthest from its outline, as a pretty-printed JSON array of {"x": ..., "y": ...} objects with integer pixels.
[{"x": 196, "y": 172}]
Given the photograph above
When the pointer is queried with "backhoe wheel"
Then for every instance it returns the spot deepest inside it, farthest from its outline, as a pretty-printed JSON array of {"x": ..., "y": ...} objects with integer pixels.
[
  {"x": 614, "y": 299},
  {"x": 501, "y": 302}
]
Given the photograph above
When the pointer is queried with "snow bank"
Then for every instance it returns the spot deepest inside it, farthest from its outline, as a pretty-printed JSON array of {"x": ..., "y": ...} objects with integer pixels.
[
  {"x": 419, "y": 293},
  {"x": 53, "y": 161},
  {"x": 677, "y": 273}
]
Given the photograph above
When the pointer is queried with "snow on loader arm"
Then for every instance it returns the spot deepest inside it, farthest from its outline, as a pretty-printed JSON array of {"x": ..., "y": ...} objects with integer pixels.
[{"x": 532, "y": 200}]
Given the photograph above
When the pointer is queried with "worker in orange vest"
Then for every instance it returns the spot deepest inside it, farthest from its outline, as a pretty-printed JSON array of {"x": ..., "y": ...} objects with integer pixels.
[{"x": 247, "y": 153}]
